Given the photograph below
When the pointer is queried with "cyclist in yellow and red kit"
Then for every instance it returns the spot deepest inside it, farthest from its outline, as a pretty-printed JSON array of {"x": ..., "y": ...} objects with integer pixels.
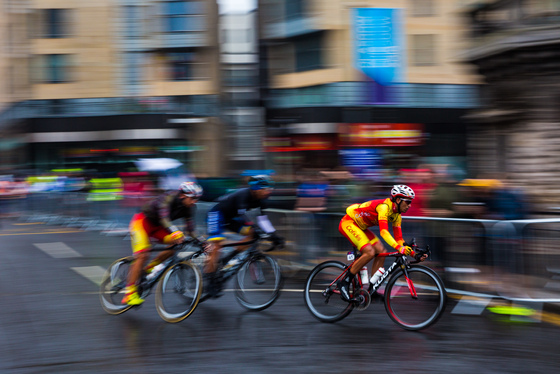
[
  {"x": 354, "y": 226},
  {"x": 155, "y": 222}
]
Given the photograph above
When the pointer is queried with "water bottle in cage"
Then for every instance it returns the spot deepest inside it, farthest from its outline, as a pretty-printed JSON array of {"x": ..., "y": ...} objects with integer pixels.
[{"x": 364, "y": 275}]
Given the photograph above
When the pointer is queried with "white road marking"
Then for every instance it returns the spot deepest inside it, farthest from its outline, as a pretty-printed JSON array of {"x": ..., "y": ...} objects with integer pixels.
[
  {"x": 93, "y": 273},
  {"x": 57, "y": 250},
  {"x": 471, "y": 306}
]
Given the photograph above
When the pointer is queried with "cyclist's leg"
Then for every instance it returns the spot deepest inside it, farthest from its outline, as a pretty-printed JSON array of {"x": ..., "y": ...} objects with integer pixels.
[
  {"x": 140, "y": 250},
  {"x": 378, "y": 261},
  {"x": 162, "y": 256},
  {"x": 215, "y": 225},
  {"x": 162, "y": 235},
  {"x": 361, "y": 240},
  {"x": 242, "y": 229},
  {"x": 364, "y": 240}
]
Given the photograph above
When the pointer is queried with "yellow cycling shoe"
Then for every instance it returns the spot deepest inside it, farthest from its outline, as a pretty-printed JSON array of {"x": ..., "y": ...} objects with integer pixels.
[{"x": 132, "y": 298}]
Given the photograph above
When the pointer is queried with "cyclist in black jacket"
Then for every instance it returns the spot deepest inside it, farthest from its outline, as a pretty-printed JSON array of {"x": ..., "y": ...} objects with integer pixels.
[{"x": 230, "y": 214}]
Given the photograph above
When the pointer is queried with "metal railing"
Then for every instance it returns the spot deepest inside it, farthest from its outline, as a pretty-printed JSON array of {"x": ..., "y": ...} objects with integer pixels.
[{"x": 504, "y": 258}]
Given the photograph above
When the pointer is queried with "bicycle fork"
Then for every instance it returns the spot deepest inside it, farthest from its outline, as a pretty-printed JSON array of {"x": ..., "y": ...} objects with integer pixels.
[
  {"x": 389, "y": 271},
  {"x": 409, "y": 283}
]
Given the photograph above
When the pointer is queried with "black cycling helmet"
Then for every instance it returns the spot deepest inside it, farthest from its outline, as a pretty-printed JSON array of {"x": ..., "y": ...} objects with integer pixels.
[{"x": 257, "y": 182}]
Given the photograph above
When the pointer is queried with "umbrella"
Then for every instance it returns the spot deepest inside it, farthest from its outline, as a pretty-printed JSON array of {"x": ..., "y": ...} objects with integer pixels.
[{"x": 157, "y": 164}]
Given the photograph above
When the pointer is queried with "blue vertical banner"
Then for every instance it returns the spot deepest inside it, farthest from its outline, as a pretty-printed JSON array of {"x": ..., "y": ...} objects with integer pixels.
[{"x": 379, "y": 49}]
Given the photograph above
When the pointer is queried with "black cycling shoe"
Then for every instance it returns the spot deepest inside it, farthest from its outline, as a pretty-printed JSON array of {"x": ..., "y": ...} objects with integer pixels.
[
  {"x": 344, "y": 287},
  {"x": 214, "y": 285}
]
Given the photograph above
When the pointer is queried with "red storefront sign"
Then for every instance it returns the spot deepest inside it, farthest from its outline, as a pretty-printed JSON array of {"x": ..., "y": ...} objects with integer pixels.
[{"x": 381, "y": 134}]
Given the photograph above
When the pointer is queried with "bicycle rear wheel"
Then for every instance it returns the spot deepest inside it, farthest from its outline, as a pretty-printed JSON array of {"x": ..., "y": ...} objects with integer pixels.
[
  {"x": 178, "y": 292},
  {"x": 258, "y": 283},
  {"x": 415, "y": 313},
  {"x": 321, "y": 295},
  {"x": 112, "y": 288}
]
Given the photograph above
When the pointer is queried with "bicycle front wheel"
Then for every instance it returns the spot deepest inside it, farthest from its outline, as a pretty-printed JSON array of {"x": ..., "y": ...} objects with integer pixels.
[
  {"x": 321, "y": 294},
  {"x": 420, "y": 311},
  {"x": 258, "y": 283},
  {"x": 178, "y": 292},
  {"x": 113, "y": 285}
]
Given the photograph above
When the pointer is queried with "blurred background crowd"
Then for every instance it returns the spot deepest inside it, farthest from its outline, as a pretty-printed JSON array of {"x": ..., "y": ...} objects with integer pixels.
[{"x": 336, "y": 101}]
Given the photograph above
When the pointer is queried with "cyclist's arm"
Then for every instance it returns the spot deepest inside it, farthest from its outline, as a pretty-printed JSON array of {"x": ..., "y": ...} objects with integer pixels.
[
  {"x": 383, "y": 213},
  {"x": 265, "y": 225},
  {"x": 397, "y": 231},
  {"x": 164, "y": 211},
  {"x": 190, "y": 225}
]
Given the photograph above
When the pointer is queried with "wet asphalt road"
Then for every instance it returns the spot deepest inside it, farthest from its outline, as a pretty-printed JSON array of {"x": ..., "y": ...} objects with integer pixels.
[{"x": 51, "y": 322}]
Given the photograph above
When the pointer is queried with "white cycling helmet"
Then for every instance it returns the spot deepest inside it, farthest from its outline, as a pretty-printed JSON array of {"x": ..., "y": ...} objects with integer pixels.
[
  {"x": 402, "y": 191},
  {"x": 191, "y": 189}
]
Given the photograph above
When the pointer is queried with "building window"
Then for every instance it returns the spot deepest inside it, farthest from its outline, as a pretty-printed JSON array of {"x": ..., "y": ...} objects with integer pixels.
[
  {"x": 51, "y": 68},
  {"x": 423, "y": 50},
  {"x": 56, "y": 23},
  {"x": 185, "y": 65},
  {"x": 135, "y": 21},
  {"x": 308, "y": 52},
  {"x": 181, "y": 16},
  {"x": 240, "y": 78},
  {"x": 58, "y": 68},
  {"x": 294, "y": 9},
  {"x": 422, "y": 8}
]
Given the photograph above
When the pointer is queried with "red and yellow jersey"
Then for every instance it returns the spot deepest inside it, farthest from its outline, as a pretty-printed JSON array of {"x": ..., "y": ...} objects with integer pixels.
[{"x": 378, "y": 213}]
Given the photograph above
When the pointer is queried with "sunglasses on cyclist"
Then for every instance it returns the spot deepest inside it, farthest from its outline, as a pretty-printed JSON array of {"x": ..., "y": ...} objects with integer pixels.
[{"x": 408, "y": 202}]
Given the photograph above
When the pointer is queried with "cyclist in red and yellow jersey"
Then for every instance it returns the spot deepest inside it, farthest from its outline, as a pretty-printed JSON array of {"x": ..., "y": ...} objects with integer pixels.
[
  {"x": 354, "y": 226},
  {"x": 155, "y": 222}
]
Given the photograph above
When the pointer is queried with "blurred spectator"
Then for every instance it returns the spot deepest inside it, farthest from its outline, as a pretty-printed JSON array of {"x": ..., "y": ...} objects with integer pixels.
[
  {"x": 441, "y": 204},
  {"x": 338, "y": 191},
  {"x": 312, "y": 193},
  {"x": 443, "y": 196},
  {"x": 508, "y": 202},
  {"x": 421, "y": 181},
  {"x": 135, "y": 188},
  {"x": 477, "y": 198}
]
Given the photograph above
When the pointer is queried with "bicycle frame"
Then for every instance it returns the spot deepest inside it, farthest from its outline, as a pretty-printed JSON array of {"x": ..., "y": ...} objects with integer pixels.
[
  {"x": 243, "y": 257},
  {"x": 400, "y": 261},
  {"x": 146, "y": 284}
]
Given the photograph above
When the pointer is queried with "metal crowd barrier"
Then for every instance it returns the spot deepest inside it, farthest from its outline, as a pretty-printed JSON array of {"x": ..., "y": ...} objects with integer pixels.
[{"x": 499, "y": 257}]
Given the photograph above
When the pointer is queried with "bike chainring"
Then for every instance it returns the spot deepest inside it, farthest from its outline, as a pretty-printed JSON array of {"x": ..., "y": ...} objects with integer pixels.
[{"x": 362, "y": 300}]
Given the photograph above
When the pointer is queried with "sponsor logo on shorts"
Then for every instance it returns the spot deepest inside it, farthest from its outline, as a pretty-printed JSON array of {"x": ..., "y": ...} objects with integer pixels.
[{"x": 353, "y": 232}]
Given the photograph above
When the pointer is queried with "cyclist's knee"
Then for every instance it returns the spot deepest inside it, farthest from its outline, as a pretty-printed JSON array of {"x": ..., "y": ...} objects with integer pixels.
[
  {"x": 368, "y": 251},
  {"x": 142, "y": 256},
  {"x": 378, "y": 248}
]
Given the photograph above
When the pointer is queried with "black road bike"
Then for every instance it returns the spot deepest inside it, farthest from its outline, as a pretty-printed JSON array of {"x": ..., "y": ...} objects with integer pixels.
[
  {"x": 257, "y": 276},
  {"x": 414, "y": 295},
  {"x": 178, "y": 283}
]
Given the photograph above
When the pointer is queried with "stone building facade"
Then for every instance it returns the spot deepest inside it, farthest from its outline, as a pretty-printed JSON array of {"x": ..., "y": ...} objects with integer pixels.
[{"x": 516, "y": 132}]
